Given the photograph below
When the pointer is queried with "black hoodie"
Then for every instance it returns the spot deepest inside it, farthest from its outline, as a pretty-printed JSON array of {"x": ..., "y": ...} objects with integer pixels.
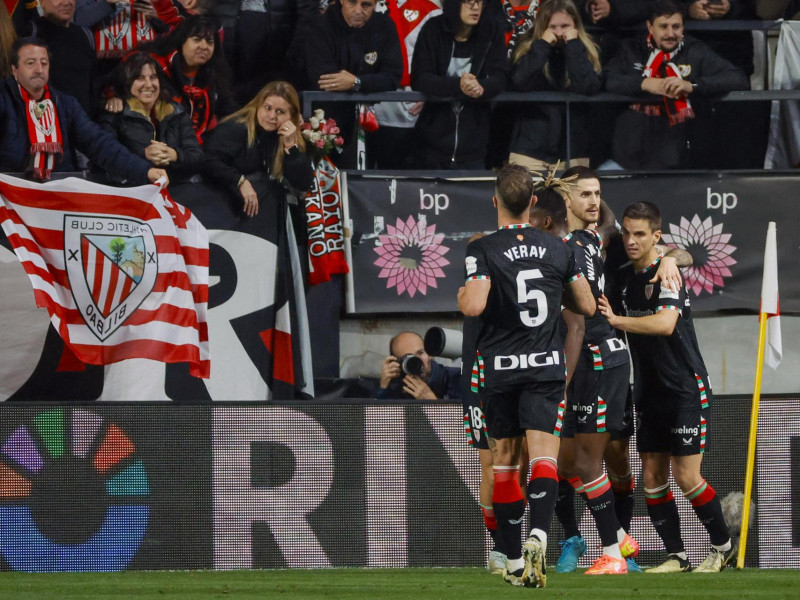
[{"x": 457, "y": 131}]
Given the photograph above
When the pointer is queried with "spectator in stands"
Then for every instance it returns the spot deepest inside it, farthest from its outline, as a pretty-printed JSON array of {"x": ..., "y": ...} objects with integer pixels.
[
  {"x": 459, "y": 54},
  {"x": 260, "y": 37},
  {"x": 556, "y": 55},
  {"x": 153, "y": 126},
  {"x": 196, "y": 71},
  {"x": 72, "y": 47},
  {"x": 257, "y": 153},
  {"x": 674, "y": 68},
  {"x": 735, "y": 46},
  {"x": 7, "y": 37},
  {"x": 41, "y": 128},
  {"x": 432, "y": 381},
  {"x": 351, "y": 48},
  {"x": 392, "y": 144}
]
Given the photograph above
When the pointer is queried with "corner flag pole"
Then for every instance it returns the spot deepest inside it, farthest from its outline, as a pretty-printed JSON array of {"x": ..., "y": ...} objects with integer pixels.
[
  {"x": 769, "y": 308},
  {"x": 751, "y": 444}
]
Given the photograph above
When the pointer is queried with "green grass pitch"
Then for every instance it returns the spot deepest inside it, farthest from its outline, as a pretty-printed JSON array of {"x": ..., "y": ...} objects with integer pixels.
[{"x": 405, "y": 584}]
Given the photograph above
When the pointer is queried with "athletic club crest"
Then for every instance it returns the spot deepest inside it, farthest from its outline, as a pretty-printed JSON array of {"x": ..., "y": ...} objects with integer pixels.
[
  {"x": 112, "y": 266},
  {"x": 411, "y": 15},
  {"x": 371, "y": 58},
  {"x": 648, "y": 291}
]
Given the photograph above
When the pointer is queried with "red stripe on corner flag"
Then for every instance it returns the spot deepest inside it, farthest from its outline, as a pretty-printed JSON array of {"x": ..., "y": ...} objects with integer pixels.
[{"x": 770, "y": 304}]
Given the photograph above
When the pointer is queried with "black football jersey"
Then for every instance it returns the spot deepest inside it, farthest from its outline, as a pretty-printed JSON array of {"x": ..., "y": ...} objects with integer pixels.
[
  {"x": 520, "y": 338},
  {"x": 601, "y": 347},
  {"x": 662, "y": 364}
]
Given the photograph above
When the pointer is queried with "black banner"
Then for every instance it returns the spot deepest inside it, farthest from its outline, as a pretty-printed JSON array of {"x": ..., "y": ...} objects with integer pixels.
[
  {"x": 107, "y": 487},
  {"x": 402, "y": 262}
]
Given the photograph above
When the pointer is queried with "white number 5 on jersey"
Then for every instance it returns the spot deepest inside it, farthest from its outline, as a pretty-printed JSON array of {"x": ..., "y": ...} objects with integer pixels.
[{"x": 525, "y": 295}]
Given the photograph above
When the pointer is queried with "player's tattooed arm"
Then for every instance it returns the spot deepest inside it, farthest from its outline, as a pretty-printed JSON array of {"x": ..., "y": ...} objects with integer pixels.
[{"x": 668, "y": 273}]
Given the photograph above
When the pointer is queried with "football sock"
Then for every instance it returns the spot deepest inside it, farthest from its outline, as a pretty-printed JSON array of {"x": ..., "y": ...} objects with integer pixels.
[
  {"x": 600, "y": 499},
  {"x": 509, "y": 508},
  {"x": 542, "y": 492},
  {"x": 708, "y": 509},
  {"x": 664, "y": 515},
  {"x": 491, "y": 525},
  {"x": 623, "y": 498},
  {"x": 565, "y": 509}
]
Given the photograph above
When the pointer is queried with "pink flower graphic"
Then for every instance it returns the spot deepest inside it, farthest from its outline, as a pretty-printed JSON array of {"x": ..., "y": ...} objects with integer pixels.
[
  {"x": 411, "y": 256},
  {"x": 710, "y": 249}
]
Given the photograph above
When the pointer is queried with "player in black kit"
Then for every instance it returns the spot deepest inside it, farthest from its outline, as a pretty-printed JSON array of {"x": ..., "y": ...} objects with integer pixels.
[
  {"x": 515, "y": 280},
  {"x": 671, "y": 393}
]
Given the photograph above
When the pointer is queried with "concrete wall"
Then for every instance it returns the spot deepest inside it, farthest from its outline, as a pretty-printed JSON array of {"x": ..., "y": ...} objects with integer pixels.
[{"x": 729, "y": 346}]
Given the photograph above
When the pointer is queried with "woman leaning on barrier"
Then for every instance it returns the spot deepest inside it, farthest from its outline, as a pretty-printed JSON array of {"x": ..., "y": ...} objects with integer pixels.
[
  {"x": 557, "y": 55},
  {"x": 257, "y": 154}
]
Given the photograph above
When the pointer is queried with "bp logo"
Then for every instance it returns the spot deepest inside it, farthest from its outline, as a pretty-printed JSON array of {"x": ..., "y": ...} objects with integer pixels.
[
  {"x": 73, "y": 494},
  {"x": 112, "y": 266}
]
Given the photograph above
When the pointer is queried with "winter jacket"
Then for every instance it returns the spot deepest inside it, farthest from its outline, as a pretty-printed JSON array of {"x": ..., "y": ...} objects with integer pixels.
[
  {"x": 134, "y": 129},
  {"x": 78, "y": 133},
  {"x": 457, "y": 131},
  {"x": 371, "y": 52},
  {"x": 228, "y": 157},
  {"x": 539, "y": 131},
  {"x": 648, "y": 142}
]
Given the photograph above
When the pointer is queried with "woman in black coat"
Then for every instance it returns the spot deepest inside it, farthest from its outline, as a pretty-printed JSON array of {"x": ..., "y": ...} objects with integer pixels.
[
  {"x": 150, "y": 124},
  {"x": 556, "y": 55},
  {"x": 257, "y": 154}
]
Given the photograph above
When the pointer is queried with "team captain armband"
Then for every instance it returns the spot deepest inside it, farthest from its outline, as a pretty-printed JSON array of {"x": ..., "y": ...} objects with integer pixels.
[
  {"x": 575, "y": 277},
  {"x": 479, "y": 278}
]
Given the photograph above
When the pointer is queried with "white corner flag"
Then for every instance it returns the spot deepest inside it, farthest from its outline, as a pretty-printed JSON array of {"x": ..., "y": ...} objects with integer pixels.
[{"x": 769, "y": 300}]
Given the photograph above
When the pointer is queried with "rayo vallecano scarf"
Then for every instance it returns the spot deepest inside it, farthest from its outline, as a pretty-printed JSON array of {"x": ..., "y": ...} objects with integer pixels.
[{"x": 660, "y": 65}]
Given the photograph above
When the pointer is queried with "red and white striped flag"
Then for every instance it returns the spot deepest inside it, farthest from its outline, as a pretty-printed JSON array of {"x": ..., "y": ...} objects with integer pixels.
[
  {"x": 123, "y": 272},
  {"x": 769, "y": 299}
]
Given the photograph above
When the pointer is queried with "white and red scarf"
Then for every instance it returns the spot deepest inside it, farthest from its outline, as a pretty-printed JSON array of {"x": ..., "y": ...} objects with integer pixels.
[
  {"x": 325, "y": 222},
  {"x": 44, "y": 132},
  {"x": 659, "y": 65},
  {"x": 121, "y": 33}
]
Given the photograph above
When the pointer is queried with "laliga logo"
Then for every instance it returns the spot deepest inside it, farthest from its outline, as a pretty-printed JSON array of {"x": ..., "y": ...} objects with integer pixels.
[
  {"x": 112, "y": 266},
  {"x": 525, "y": 361}
]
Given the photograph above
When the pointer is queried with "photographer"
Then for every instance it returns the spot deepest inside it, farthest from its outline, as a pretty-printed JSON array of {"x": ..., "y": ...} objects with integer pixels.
[{"x": 422, "y": 378}]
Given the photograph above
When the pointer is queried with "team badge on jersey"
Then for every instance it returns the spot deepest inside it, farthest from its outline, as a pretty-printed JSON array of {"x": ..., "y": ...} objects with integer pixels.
[
  {"x": 371, "y": 58},
  {"x": 410, "y": 15},
  {"x": 648, "y": 290},
  {"x": 685, "y": 70},
  {"x": 112, "y": 266}
]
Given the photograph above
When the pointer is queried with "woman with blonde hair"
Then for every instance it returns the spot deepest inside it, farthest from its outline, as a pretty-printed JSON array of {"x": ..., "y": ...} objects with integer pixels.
[
  {"x": 258, "y": 151},
  {"x": 556, "y": 55}
]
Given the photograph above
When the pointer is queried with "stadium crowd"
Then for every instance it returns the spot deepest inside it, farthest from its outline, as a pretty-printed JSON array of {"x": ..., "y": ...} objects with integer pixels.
[{"x": 145, "y": 71}]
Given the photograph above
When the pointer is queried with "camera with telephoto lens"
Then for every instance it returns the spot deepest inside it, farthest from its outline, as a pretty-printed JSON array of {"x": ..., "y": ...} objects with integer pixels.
[{"x": 411, "y": 364}]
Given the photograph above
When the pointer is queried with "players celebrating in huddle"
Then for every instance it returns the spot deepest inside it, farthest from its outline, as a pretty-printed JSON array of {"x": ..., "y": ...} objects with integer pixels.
[{"x": 517, "y": 280}]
